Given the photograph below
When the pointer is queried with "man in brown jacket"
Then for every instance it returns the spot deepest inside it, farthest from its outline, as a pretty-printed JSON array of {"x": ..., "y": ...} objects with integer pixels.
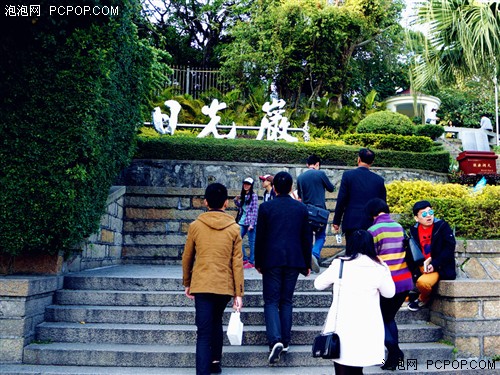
[{"x": 212, "y": 267}]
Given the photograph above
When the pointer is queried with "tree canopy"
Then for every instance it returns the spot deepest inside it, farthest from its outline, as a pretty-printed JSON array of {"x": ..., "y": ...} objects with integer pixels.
[
  {"x": 309, "y": 48},
  {"x": 71, "y": 95},
  {"x": 462, "y": 41}
]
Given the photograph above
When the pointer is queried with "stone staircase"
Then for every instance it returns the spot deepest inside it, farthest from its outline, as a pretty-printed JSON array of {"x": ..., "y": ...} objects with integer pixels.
[{"x": 135, "y": 319}]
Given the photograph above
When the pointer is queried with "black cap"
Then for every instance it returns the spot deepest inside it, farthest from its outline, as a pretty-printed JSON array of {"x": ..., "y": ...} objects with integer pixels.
[{"x": 420, "y": 205}]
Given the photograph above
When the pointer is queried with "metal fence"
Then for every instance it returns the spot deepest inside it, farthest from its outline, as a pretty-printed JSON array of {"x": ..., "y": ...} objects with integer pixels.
[{"x": 187, "y": 80}]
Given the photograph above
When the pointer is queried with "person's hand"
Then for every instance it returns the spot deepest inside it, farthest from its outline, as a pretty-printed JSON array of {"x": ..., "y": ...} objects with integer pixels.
[
  {"x": 187, "y": 292},
  {"x": 238, "y": 303},
  {"x": 430, "y": 268},
  {"x": 308, "y": 272},
  {"x": 336, "y": 228},
  {"x": 250, "y": 227}
]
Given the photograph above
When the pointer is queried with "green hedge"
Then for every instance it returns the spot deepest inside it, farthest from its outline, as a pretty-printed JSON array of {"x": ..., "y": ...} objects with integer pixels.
[
  {"x": 474, "y": 215},
  {"x": 242, "y": 150},
  {"x": 429, "y": 130},
  {"x": 71, "y": 89},
  {"x": 386, "y": 122},
  {"x": 390, "y": 142}
]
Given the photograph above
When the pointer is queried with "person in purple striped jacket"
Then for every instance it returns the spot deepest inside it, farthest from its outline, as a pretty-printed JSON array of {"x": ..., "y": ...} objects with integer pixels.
[{"x": 388, "y": 237}]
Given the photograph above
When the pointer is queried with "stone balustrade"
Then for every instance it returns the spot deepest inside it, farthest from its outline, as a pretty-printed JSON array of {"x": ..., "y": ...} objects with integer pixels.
[{"x": 468, "y": 310}]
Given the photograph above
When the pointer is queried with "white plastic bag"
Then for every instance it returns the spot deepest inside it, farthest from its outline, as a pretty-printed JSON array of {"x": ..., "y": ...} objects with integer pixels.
[{"x": 235, "y": 329}]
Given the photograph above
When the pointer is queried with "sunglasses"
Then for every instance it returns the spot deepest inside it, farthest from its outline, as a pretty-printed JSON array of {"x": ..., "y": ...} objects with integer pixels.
[{"x": 427, "y": 213}]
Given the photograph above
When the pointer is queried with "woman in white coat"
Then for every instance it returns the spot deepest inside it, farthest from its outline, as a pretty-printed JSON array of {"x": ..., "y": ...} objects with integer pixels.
[{"x": 358, "y": 319}]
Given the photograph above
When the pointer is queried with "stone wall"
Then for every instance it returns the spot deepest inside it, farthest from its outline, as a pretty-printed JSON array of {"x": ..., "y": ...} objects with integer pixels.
[
  {"x": 22, "y": 306},
  {"x": 103, "y": 248},
  {"x": 468, "y": 308},
  {"x": 198, "y": 174},
  {"x": 469, "y": 313}
]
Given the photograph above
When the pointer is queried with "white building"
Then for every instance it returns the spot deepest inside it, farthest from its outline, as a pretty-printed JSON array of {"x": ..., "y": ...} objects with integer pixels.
[{"x": 411, "y": 104}]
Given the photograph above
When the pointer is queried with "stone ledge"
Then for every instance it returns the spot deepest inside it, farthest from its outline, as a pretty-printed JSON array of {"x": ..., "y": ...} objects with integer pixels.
[
  {"x": 24, "y": 286},
  {"x": 162, "y": 190},
  {"x": 469, "y": 288},
  {"x": 115, "y": 192},
  {"x": 484, "y": 247}
]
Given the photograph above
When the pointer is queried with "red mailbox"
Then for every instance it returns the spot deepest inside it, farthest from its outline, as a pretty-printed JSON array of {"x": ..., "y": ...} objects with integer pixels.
[{"x": 477, "y": 162}]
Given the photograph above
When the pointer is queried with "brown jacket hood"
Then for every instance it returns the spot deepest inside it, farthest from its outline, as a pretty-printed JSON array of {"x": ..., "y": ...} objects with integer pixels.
[{"x": 215, "y": 220}]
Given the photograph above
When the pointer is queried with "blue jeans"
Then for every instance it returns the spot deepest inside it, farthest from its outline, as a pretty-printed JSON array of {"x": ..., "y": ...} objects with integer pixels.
[
  {"x": 209, "y": 309},
  {"x": 278, "y": 285},
  {"x": 251, "y": 242},
  {"x": 319, "y": 241}
]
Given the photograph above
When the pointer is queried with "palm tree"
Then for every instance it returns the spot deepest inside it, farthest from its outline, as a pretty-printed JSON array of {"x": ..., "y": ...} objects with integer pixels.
[{"x": 462, "y": 42}]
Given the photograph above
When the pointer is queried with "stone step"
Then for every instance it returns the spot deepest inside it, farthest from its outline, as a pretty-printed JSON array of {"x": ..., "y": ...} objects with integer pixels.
[
  {"x": 150, "y": 334},
  {"x": 157, "y": 278},
  {"x": 185, "y": 315},
  {"x": 172, "y": 298},
  {"x": 470, "y": 367},
  {"x": 181, "y": 356}
]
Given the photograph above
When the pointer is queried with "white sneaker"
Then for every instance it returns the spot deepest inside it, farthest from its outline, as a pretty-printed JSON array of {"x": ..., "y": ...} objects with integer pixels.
[
  {"x": 274, "y": 356},
  {"x": 314, "y": 264}
]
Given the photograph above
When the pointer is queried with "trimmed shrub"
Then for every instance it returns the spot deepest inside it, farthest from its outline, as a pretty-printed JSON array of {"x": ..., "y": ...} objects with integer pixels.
[
  {"x": 473, "y": 215},
  {"x": 429, "y": 130},
  {"x": 72, "y": 89},
  {"x": 390, "y": 142},
  {"x": 253, "y": 151},
  {"x": 386, "y": 122}
]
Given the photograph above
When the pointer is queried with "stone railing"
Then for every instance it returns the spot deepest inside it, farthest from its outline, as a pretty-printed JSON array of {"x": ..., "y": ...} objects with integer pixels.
[
  {"x": 22, "y": 307},
  {"x": 468, "y": 309}
]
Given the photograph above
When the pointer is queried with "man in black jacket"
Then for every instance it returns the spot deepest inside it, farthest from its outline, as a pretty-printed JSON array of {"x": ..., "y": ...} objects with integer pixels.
[
  {"x": 282, "y": 251},
  {"x": 358, "y": 186},
  {"x": 435, "y": 239}
]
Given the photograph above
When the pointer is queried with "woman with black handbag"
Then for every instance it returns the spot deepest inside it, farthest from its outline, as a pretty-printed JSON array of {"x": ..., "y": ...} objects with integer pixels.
[{"x": 356, "y": 315}]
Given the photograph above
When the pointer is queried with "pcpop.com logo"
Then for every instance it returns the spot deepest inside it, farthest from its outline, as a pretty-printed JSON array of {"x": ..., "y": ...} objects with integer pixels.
[{"x": 86, "y": 10}]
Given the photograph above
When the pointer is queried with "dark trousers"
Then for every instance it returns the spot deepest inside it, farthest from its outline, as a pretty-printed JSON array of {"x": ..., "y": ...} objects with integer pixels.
[
  {"x": 278, "y": 286},
  {"x": 389, "y": 308},
  {"x": 209, "y": 309}
]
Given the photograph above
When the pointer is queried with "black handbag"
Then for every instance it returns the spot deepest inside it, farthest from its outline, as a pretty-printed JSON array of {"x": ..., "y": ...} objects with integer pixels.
[
  {"x": 318, "y": 217},
  {"x": 413, "y": 253},
  {"x": 327, "y": 345}
]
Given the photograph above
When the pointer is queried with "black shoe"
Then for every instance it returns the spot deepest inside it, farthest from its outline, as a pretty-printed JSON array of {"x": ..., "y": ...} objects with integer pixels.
[
  {"x": 416, "y": 305},
  {"x": 391, "y": 366},
  {"x": 215, "y": 368},
  {"x": 393, "y": 361},
  {"x": 274, "y": 356}
]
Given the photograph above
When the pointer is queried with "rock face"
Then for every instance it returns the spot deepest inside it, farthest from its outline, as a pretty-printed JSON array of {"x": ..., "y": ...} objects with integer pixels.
[{"x": 198, "y": 174}]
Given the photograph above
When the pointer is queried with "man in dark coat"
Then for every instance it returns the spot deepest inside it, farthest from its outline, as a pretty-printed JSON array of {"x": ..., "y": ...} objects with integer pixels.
[
  {"x": 282, "y": 251},
  {"x": 358, "y": 186},
  {"x": 435, "y": 239}
]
